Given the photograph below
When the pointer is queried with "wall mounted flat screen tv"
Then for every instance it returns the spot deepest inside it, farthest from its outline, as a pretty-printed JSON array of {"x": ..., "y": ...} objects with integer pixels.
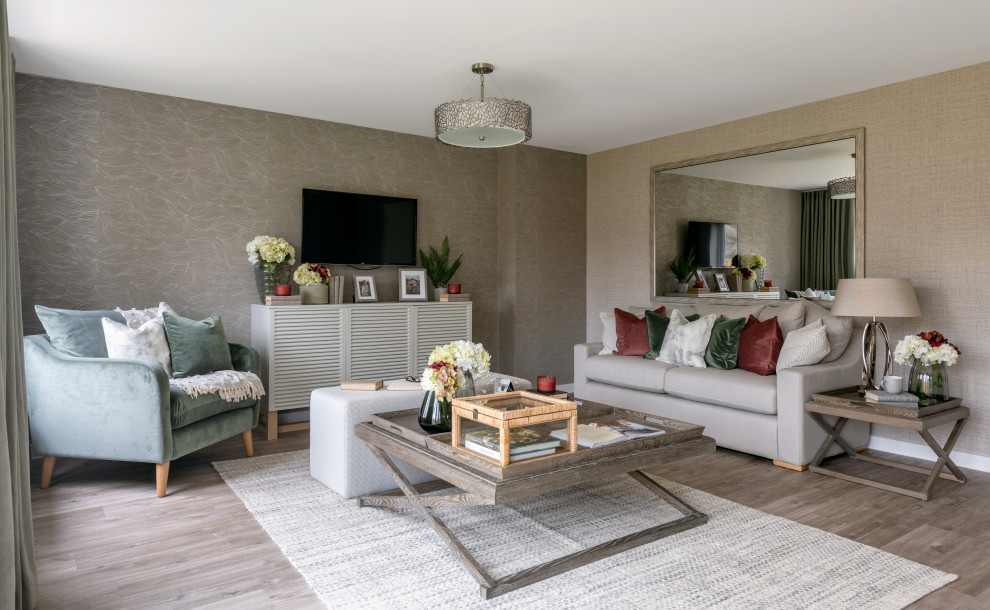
[
  {"x": 715, "y": 244},
  {"x": 352, "y": 229}
]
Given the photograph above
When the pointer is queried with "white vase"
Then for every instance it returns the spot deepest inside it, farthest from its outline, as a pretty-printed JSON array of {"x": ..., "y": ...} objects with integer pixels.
[
  {"x": 314, "y": 295},
  {"x": 682, "y": 287}
]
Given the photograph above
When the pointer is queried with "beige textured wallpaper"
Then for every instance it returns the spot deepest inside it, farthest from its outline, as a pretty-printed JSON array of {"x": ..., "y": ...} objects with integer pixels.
[
  {"x": 927, "y": 210},
  {"x": 769, "y": 221},
  {"x": 128, "y": 198}
]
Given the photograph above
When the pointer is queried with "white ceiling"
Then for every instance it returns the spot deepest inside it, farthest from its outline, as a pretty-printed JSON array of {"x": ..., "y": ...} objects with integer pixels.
[
  {"x": 598, "y": 74},
  {"x": 801, "y": 169}
]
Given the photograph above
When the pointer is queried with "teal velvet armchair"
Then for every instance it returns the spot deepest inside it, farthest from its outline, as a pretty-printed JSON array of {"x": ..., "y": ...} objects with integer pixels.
[{"x": 116, "y": 409}]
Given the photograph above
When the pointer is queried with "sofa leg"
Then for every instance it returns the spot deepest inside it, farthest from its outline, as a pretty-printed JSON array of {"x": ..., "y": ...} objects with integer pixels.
[
  {"x": 248, "y": 443},
  {"x": 161, "y": 478},
  {"x": 47, "y": 468},
  {"x": 790, "y": 466}
]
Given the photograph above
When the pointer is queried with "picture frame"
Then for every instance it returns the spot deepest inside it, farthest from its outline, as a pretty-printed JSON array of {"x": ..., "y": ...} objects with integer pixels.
[
  {"x": 364, "y": 289},
  {"x": 720, "y": 281},
  {"x": 412, "y": 284}
]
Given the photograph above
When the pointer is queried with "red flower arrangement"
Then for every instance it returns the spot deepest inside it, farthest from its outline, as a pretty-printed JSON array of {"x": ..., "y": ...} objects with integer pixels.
[{"x": 935, "y": 339}]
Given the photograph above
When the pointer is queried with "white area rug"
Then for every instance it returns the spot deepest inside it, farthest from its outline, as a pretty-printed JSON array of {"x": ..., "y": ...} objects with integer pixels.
[{"x": 742, "y": 558}]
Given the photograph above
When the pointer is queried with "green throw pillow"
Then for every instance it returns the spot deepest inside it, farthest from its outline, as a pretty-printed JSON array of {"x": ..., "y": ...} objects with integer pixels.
[
  {"x": 77, "y": 333},
  {"x": 723, "y": 347},
  {"x": 656, "y": 328},
  {"x": 197, "y": 347}
]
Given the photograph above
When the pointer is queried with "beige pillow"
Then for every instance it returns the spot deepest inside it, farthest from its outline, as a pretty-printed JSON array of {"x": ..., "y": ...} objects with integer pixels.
[
  {"x": 790, "y": 317},
  {"x": 804, "y": 346},
  {"x": 731, "y": 312},
  {"x": 145, "y": 343},
  {"x": 687, "y": 310},
  {"x": 838, "y": 328},
  {"x": 685, "y": 342}
]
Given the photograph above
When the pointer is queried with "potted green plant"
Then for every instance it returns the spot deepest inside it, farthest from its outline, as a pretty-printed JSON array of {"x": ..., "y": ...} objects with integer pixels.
[
  {"x": 683, "y": 267},
  {"x": 438, "y": 266}
]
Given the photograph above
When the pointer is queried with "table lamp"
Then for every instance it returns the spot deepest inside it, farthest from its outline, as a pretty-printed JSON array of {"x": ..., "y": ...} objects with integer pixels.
[{"x": 888, "y": 297}]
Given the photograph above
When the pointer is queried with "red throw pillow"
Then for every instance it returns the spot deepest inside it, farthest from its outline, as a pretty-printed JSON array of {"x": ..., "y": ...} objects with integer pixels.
[
  {"x": 759, "y": 346},
  {"x": 632, "y": 337}
]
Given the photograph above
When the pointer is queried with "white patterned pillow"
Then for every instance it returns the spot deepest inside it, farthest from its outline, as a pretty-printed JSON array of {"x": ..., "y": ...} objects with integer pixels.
[
  {"x": 145, "y": 343},
  {"x": 685, "y": 342},
  {"x": 609, "y": 336},
  {"x": 137, "y": 317},
  {"x": 804, "y": 346}
]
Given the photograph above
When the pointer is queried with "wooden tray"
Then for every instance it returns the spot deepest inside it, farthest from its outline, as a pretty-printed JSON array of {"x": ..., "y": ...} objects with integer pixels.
[
  {"x": 849, "y": 397},
  {"x": 404, "y": 424}
]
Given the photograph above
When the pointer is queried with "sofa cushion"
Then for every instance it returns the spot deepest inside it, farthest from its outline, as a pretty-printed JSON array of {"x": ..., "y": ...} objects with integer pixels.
[
  {"x": 146, "y": 342},
  {"x": 731, "y": 312},
  {"x": 685, "y": 342},
  {"x": 185, "y": 410},
  {"x": 609, "y": 336},
  {"x": 634, "y": 373},
  {"x": 804, "y": 346},
  {"x": 198, "y": 347},
  {"x": 723, "y": 348},
  {"x": 656, "y": 330},
  {"x": 738, "y": 389},
  {"x": 77, "y": 333},
  {"x": 838, "y": 329},
  {"x": 759, "y": 346},
  {"x": 136, "y": 317},
  {"x": 789, "y": 317},
  {"x": 632, "y": 338}
]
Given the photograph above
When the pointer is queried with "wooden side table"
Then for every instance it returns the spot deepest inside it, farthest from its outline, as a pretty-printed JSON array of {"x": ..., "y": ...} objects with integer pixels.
[{"x": 859, "y": 410}]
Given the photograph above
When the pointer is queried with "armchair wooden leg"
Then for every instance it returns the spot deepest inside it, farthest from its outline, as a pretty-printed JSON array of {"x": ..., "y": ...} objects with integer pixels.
[
  {"x": 248, "y": 443},
  {"x": 161, "y": 478},
  {"x": 47, "y": 467}
]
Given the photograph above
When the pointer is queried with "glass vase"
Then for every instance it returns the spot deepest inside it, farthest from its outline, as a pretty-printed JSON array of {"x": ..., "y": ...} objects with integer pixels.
[
  {"x": 467, "y": 388},
  {"x": 434, "y": 414},
  {"x": 271, "y": 271},
  {"x": 929, "y": 382}
]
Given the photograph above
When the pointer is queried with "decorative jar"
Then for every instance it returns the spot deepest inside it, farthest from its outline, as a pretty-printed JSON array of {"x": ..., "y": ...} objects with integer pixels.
[
  {"x": 929, "y": 382},
  {"x": 434, "y": 414}
]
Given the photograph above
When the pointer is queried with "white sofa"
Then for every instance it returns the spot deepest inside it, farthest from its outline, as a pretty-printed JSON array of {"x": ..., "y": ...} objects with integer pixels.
[{"x": 743, "y": 411}]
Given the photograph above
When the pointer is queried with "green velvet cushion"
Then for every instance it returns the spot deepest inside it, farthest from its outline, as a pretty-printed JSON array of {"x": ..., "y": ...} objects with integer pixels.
[
  {"x": 723, "y": 347},
  {"x": 77, "y": 333},
  {"x": 186, "y": 410},
  {"x": 197, "y": 347},
  {"x": 656, "y": 328}
]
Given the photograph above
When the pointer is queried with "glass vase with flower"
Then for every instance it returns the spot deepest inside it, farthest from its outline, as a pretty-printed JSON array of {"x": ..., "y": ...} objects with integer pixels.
[
  {"x": 929, "y": 354},
  {"x": 441, "y": 380},
  {"x": 274, "y": 255}
]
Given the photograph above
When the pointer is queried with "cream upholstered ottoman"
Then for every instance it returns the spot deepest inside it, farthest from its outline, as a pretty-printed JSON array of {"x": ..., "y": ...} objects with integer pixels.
[{"x": 339, "y": 460}]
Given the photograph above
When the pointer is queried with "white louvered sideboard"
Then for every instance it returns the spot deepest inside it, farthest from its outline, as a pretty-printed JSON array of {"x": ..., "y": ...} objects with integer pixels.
[{"x": 314, "y": 346}]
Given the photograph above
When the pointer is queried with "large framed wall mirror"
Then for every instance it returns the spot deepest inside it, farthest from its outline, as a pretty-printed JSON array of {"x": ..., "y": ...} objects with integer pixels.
[{"x": 774, "y": 200}]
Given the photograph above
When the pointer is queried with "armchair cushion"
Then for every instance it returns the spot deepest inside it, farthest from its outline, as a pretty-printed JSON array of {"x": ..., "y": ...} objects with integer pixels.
[
  {"x": 185, "y": 410},
  {"x": 146, "y": 342},
  {"x": 197, "y": 347},
  {"x": 77, "y": 333}
]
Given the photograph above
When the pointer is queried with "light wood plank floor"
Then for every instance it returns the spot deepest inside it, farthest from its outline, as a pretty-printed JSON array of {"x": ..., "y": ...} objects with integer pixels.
[{"x": 103, "y": 540}]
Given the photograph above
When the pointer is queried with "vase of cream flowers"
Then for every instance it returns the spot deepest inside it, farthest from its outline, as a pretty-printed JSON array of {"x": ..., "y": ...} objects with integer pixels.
[
  {"x": 275, "y": 255},
  {"x": 757, "y": 263},
  {"x": 748, "y": 278},
  {"x": 472, "y": 360},
  {"x": 312, "y": 280},
  {"x": 929, "y": 354}
]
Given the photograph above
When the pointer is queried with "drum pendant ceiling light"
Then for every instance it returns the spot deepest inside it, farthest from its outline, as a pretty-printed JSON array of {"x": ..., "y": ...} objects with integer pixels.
[
  {"x": 844, "y": 188},
  {"x": 481, "y": 122}
]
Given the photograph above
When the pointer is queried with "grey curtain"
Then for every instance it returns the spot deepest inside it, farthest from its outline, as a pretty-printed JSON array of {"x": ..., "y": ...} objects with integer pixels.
[
  {"x": 828, "y": 243},
  {"x": 18, "y": 575}
]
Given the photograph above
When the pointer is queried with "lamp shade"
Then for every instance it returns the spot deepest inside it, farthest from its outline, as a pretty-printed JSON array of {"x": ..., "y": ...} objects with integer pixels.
[
  {"x": 888, "y": 297},
  {"x": 483, "y": 123}
]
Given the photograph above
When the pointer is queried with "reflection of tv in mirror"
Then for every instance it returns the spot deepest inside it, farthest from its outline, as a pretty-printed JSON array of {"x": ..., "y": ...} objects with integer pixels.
[{"x": 715, "y": 244}]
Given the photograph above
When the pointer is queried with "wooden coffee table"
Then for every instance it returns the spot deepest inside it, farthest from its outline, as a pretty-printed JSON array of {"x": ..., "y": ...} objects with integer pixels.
[{"x": 479, "y": 482}]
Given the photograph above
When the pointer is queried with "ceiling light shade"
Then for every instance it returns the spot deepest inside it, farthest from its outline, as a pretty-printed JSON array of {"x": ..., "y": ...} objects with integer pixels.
[
  {"x": 844, "y": 188},
  {"x": 481, "y": 122}
]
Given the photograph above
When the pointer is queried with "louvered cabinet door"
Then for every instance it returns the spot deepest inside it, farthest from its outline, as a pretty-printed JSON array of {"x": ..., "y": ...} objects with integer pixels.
[
  {"x": 306, "y": 353},
  {"x": 437, "y": 324},
  {"x": 379, "y": 341}
]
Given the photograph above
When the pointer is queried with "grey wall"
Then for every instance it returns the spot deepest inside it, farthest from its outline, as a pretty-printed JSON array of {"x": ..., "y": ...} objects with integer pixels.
[{"x": 128, "y": 198}]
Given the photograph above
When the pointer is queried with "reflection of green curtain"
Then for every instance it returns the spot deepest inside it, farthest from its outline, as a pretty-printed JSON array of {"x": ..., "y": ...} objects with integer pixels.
[
  {"x": 18, "y": 578},
  {"x": 828, "y": 250}
]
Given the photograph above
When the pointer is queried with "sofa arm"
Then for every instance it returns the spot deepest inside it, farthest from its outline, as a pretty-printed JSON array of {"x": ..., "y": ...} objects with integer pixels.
[
  {"x": 103, "y": 408},
  {"x": 245, "y": 358},
  {"x": 583, "y": 351},
  {"x": 798, "y": 437}
]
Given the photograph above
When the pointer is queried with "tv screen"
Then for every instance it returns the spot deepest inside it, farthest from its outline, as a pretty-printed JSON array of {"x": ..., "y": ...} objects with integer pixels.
[
  {"x": 715, "y": 244},
  {"x": 352, "y": 229}
]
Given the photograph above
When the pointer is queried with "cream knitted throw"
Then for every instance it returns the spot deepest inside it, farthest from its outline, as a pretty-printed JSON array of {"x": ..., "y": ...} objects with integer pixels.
[{"x": 231, "y": 385}]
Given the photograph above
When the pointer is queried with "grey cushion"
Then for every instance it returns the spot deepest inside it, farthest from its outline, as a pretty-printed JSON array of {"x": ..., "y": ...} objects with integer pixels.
[
  {"x": 198, "y": 347},
  {"x": 186, "y": 409},
  {"x": 736, "y": 388},
  {"x": 634, "y": 373},
  {"x": 838, "y": 329},
  {"x": 77, "y": 333},
  {"x": 789, "y": 316}
]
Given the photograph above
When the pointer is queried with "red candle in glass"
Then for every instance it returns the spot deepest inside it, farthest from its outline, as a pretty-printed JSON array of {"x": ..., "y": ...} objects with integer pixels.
[
  {"x": 546, "y": 383},
  {"x": 768, "y": 282},
  {"x": 699, "y": 284},
  {"x": 283, "y": 290},
  {"x": 453, "y": 288}
]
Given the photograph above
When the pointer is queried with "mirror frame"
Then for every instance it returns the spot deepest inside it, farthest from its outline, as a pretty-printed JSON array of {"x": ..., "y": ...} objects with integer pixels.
[{"x": 858, "y": 133}]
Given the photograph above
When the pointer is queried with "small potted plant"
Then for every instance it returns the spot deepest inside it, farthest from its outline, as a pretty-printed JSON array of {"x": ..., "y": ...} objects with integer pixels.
[
  {"x": 683, "y": 267},
  {"x": 438, "y": 266},
  {"x": 312, "y": 280},
  {"x": 275, "y": 255}
]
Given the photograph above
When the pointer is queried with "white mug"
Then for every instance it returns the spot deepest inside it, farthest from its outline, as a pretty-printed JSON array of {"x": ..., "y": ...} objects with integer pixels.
[{"x": 893, "y": 384}]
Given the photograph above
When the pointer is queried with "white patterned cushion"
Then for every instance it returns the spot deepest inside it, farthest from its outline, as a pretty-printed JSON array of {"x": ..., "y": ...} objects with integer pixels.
[
  {"x": 804, "y": 346},
  {"x": 609, "y": 336},
  {"x": 145, "y": 343},
  {"x": 137, "y": 317},
  {"x": 685, "y": 342}
]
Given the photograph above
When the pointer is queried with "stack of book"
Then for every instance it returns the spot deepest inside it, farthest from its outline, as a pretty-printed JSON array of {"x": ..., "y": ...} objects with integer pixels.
[
  {"x": 597, "y": 434},
  {"x": 901, "y": 399},
  {"x": 694, "y": 290},
  {"x": 336, "y": 285},
  {"x": 455, "y": 298},
  {"x": 274, "y": 299},
  {"x": 524, "y": 443},
  {"x": 769, "y": 288}
]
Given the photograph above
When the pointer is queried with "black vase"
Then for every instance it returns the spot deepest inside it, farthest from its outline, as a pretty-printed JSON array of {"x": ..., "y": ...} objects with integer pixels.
[{"x": 434, "y": 414}]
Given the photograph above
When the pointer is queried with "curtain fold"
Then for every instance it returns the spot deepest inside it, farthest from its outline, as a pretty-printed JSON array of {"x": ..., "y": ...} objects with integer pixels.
[
  {"x": 18, "y": 574},
  {"x": 828, "y": 244}
]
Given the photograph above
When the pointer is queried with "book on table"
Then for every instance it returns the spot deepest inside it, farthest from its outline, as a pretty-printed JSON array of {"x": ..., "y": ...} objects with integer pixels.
[
  {"x": 629, "y": 429},
  {"x": 513, "y": 455},
  {"x": 598, "y": 434},
  {"x": 521, "y": 440},
  {"x": 366, "y": 385}
]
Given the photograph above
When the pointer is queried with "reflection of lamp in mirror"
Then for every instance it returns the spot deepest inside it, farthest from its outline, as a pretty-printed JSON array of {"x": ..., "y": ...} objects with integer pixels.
[
  {"x": 875, "y": 297},
  {"x": 844, "y": 188}
]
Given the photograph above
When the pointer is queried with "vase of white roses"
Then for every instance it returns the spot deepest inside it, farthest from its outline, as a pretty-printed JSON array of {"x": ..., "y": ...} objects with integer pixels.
[
  {"x": 472, "y": 360},
  {"x": 312, "y": 280},
  {"x": 929, "y": 354},
  {"x": 275, "y": 255}
]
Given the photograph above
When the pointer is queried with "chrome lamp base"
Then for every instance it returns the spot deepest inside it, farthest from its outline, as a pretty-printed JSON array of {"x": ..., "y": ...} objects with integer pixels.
[{"x": 872, "y": 380}]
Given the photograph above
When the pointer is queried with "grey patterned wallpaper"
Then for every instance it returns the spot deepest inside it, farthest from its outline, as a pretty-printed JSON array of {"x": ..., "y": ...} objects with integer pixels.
[
  {"x": 769, "y": 221},
  {"x": 128, "y": 198},
  {"x": 927, "y": 216}
]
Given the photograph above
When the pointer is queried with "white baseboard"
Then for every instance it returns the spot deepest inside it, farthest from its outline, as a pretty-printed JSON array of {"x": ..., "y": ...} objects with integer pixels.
[{"x": 963, "y": 460}]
